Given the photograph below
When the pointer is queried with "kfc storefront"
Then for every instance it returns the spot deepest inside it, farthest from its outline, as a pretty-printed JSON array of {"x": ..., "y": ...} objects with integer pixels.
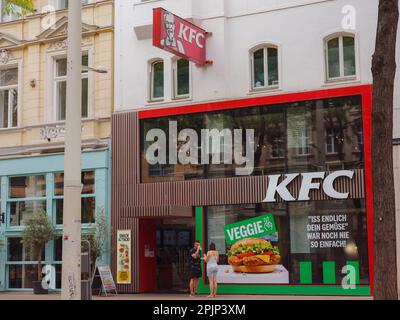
[{"x": 281, "y": 184}]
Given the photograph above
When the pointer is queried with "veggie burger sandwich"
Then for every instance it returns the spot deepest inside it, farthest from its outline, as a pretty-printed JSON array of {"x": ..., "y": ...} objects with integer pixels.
[{"x": 253, "y": 256}]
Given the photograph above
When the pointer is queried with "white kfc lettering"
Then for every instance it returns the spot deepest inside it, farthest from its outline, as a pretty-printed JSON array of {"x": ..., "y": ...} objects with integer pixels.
[
  {"x": 183, "y": 32},
  {"x": 189, "y": 34},
  {"x": 202, "y": 36},
  {"x": 307, "y": 185}
]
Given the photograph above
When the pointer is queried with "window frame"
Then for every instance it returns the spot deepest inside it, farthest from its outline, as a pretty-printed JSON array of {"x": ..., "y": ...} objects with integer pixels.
[
  {"x": 266, "y": 87},
  {"x": 10, "y": 200},
  {"x": 57, "y": 79},
  {"x": 305, "y": 143},
  {"x": 56, "y": 197},
  {"x": 175, "y": 95},
  {"x": 341, "y": 76},
  {"x": 10, "y": 88},
  {"x": 151, "y": 65},
  {"x": 330, "y": 134}
]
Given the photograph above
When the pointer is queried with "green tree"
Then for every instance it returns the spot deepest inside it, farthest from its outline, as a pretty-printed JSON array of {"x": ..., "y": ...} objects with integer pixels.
[
  {"x": 11, "y": 6},
  {"x": 39, "y": 230},
  {"x": 97, "y": 239}
]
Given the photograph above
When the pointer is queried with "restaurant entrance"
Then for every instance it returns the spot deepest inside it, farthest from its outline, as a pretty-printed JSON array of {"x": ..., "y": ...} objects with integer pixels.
[{"x": 165, "y": 246}]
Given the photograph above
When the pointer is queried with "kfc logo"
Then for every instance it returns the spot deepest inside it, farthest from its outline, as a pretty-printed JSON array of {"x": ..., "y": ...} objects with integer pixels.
[
  {"x": 179, "y": 36},
  {"x": 170, "y": 40},
  {"x": 310, "y": 181}
]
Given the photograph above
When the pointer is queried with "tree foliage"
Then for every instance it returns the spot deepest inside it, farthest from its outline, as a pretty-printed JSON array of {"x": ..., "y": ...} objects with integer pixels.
[
  {"x": 39, "y": 230},
  {"x": 97, "y": 238},
  {"x": 20, "y": 7}
]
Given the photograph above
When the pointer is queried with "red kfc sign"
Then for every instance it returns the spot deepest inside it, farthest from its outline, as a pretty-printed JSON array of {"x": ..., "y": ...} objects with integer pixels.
[{"x": 179, "y": 36}]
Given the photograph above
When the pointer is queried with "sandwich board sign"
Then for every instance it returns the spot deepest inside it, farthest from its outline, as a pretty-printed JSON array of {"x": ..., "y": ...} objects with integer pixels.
[{"x": 103, "y": 281}]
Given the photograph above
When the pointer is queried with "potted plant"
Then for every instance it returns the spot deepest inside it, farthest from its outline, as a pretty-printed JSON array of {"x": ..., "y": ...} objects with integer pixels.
[{"x": 38, "y": 232}]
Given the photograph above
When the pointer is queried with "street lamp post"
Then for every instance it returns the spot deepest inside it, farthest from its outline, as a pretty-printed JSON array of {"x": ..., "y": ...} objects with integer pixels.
[{"x": 71, "y": 260}]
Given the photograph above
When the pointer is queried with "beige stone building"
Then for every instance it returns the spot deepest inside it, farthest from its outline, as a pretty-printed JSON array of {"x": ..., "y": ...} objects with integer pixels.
[
  {"x": 32, "y": 126},
  {"x": 32, "y": 61}
]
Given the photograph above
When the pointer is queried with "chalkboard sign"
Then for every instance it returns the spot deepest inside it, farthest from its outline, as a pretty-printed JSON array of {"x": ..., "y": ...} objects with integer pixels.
[{"x": 103, "y": 281}]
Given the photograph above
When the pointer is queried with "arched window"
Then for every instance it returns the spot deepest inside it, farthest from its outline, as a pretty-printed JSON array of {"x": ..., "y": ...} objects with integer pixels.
[
  {"x": 265, "y": 68},
  {"x": 157, "y": 80},
  {"x": 341, "y": 57}
]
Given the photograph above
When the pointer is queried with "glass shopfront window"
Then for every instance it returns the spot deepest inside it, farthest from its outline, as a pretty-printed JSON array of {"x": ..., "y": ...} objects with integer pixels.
[
  {"x": 88, "y": 197},
  {"x": 22, "y": 211},
  {"x": 27, "y": 195},
  {"x": 312, "y": 243},
  {"x": 21, "y": 271},
  {"x": 27, "y": 187},
  {"x": 309, "y": 136},
  {"x": 21, "y": 276}
]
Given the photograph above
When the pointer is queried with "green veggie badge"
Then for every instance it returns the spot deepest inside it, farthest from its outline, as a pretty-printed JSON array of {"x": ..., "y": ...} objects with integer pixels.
[{"x": 253, "y": 228}]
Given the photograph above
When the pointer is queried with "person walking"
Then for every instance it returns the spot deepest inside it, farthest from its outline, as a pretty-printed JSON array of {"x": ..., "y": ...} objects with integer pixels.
[
  {"x": 212, "y": 259},
  {"x": 195, "y": 268}
]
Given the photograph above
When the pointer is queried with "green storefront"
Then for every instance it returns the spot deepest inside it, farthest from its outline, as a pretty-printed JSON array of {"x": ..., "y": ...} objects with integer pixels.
[{"x": 29, "y": 184}]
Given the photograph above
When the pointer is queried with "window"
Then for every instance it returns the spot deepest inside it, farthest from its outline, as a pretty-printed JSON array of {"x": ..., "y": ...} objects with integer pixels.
[
  {"x": 265, "y": 68},
  {"x": 22, "y": 267},
  {"x": 304, "y": 142},
  {"x": 9, "y": 98},
  {"x": 294, "y": 240},
  {"x": 181, "y": 78},
  {"x": 60, "y": 85},
  {"x": 88, "y": 197},
  {"x": 63, "y": 4},
  {"x": 305, "y": 136},
  {"x": 9, "y": 16},
  {"x": 27, "y": 195},
  {"x": 341, "y": 58},
  {"x": 332, "y": 141},
  {"x": 157, "y": 80}
]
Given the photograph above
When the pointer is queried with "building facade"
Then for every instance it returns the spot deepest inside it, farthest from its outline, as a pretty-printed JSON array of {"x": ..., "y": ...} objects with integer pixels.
[
  {"x": 33, "y": 70},
  {"x": 297, "y": 74}
]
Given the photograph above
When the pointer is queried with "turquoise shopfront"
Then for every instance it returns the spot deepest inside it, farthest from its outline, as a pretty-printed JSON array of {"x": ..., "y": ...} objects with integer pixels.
[{"x": 28, "y": 184}]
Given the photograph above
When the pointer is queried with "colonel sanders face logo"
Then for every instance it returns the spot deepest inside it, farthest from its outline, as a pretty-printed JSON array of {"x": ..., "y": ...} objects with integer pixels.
[
  {"x": 170, "y": 40},
  {"x": 169, "y": 22}
]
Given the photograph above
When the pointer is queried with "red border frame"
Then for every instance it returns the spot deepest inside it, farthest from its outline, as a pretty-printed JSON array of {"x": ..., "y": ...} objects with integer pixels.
[{"x": 364, "y": 90}]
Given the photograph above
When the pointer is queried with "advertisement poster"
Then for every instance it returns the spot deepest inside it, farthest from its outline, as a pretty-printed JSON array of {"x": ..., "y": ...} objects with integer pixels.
[
  {"x": 124, "y": 263},
  {"x": 107, "y": 279},
  {"x": 253, "y": 257}
]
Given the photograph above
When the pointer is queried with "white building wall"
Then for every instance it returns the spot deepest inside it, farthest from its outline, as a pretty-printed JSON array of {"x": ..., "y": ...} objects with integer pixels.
[{"x": 298, "y": 27}]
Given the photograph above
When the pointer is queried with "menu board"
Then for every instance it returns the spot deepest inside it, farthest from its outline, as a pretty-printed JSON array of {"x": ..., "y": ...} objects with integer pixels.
[
  {"x": 103, "y": 281},
  {"x": 107, "y": 278},
  {"x": 124, "y": 265}
]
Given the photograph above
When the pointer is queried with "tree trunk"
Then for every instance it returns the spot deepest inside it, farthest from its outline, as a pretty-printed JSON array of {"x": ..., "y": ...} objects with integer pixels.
[{"x": 384, "y": 70}]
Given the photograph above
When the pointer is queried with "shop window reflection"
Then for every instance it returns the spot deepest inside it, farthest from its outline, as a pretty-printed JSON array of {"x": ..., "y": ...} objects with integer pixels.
[
  {"x": 302, "y": 249},
  {"x": 294, "y": 236},
  {"x": 306, "y": 136}
]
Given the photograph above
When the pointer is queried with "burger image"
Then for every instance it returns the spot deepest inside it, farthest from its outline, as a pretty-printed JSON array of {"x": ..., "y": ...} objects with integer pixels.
[{"x": 253, "y": 256}]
